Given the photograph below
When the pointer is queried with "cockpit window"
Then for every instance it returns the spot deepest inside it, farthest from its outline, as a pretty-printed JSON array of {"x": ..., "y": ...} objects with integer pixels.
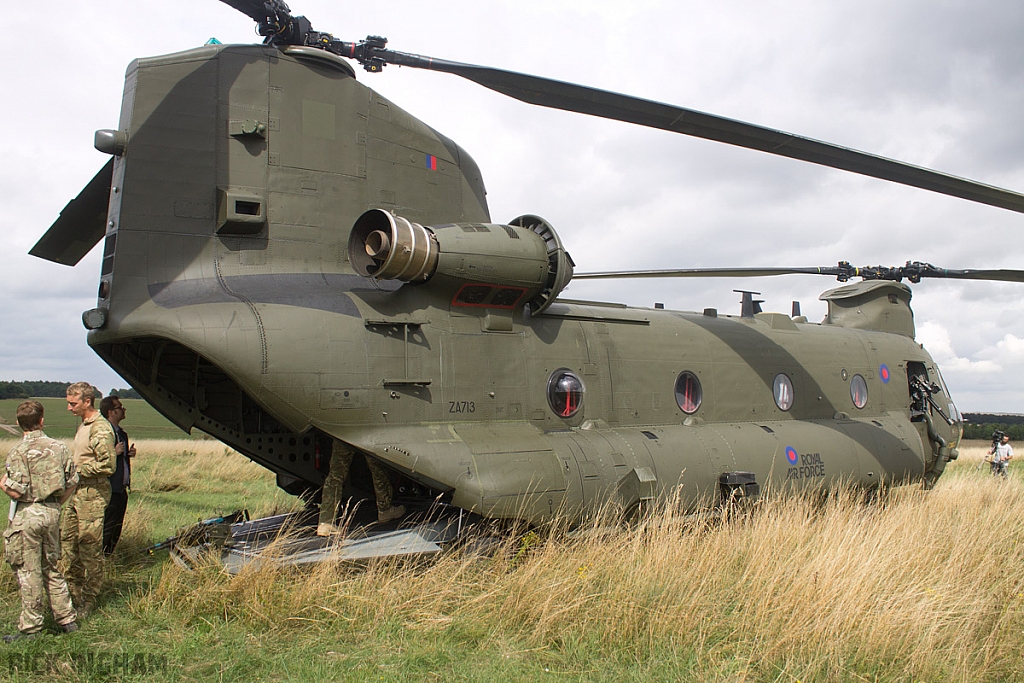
[{"x": 954, "y": 412}]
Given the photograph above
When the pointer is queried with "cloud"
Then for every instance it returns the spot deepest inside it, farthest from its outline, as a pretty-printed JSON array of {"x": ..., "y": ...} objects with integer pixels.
[
  {"x": 937, "y": 340},
  {"x": 1012, "y": 346}
]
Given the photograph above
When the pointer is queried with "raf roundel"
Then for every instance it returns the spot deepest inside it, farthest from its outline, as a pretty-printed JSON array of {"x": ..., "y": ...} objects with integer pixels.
[
  {"x": 883, "y": 372},
  {"x": 791, "y": 455}
]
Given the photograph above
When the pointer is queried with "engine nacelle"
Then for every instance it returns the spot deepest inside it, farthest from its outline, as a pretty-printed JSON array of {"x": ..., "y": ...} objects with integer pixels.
[{"x": 502, "y": 266}]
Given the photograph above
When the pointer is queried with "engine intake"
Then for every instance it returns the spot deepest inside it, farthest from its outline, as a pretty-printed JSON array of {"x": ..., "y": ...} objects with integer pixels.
[{"x": 389, "y": 247}]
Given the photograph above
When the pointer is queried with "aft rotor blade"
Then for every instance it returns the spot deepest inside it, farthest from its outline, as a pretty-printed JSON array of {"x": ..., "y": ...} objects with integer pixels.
[
  {"x": 610, "y": 105},
  {"x": 281, "y": 28},
  {"x": 255, "y": 9}
]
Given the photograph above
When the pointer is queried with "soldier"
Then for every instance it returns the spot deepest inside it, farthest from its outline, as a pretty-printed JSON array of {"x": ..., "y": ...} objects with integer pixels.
[
  {"x": 39, "y": 476},
  {"x": 330, "y": 497},
  {"x": 81, "y": 532}
]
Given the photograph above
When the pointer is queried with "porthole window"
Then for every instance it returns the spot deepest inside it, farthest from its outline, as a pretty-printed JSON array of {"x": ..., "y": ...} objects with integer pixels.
[
  {"x": 565, "y": 393},
  {"x": 782, "y": 388},
  {"x": 688, "y": 392},
  {"x": 859, "y": 391}
]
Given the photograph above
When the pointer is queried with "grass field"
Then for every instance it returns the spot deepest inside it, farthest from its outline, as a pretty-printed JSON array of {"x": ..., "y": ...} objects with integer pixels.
[
  {"x": 141, "y": 421},
  {"x": 914, "y": 586}
]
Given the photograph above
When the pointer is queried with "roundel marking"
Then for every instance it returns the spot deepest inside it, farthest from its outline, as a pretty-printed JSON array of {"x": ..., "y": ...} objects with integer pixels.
[
  {"x": 791, "y": 455},
  {"x": 883, "y": 372}
]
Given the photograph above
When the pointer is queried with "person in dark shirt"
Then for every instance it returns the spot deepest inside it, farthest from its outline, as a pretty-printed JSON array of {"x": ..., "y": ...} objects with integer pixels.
[{"x": 120, "y": 481}]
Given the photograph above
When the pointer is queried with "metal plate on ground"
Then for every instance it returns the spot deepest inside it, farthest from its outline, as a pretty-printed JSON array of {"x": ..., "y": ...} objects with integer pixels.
[
  {"x": 420, "y": 540},
  {"x": 290, "y": 540}
]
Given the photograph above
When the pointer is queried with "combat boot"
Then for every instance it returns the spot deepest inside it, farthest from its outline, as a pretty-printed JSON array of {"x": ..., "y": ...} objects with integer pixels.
[
  {"x": 87, "y": 608},
  {"x": 21, "y": 636},
  {"x": 70, "y": 627},
  {"x": 391, "y": 513},
  {"x": 324, "y": 529}
]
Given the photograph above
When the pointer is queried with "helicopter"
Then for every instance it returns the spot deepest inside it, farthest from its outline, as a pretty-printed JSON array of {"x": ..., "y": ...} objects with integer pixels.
[{"x": 290, "y": 260}]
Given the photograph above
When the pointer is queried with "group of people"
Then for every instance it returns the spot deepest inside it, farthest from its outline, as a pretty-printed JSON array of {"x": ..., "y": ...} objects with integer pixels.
[{"x": 55, "y": 554}]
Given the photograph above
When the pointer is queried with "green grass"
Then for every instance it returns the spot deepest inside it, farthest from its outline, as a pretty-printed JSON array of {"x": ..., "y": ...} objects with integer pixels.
[
  {"x": 141, "y": 421},
  {"x": 912, "y": 587}
]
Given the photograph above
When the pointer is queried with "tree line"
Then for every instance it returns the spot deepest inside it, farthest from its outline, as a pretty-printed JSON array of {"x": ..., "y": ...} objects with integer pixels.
[
  {"x": 41, "y": 389},
  {"x": 985, "y": 430},
  {"x": 982, "y": 425}
]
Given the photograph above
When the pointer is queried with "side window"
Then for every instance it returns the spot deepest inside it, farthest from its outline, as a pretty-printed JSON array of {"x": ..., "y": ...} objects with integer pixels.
[
  {"x": 859, "y": 391},
  {"x": 782, "y": 389},
  {"x": 688, "y": 392},
  {"x": 565, "y": 392}
]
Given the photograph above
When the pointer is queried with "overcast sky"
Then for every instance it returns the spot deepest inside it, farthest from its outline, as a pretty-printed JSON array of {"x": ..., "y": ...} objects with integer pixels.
[{"x": 937, "y": 83}]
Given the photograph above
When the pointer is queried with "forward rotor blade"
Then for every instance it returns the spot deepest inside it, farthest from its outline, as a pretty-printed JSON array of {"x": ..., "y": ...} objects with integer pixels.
[
  {"x": 912, "y": 270},
  {"x": 999, "y": 275},
  {"x": 699, "y": 272},
  {"x": 610, "y": 105}
]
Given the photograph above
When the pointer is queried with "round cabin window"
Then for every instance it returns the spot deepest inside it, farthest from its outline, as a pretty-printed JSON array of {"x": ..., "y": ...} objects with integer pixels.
[
  {"x": 688, "y": 392},
  {"x": 859, "y": 391},
  {"x": 782, "y": 388},
  {"x": 565, "y": 393}
]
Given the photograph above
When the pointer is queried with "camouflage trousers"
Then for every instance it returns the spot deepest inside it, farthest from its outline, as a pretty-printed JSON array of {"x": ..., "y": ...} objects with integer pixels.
[
  {"x": 341, "y": 461},
  {"x": 81, "y": 539},
  {"x": 32, "y": 548}
]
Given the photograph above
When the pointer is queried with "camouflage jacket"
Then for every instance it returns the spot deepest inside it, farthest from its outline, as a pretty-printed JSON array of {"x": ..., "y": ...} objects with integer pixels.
[
  {"x": 94, "y": 448},
  {"x": 40, "y": 467}
]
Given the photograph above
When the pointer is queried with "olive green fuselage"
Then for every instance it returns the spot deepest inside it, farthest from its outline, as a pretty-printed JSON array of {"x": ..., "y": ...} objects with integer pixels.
[{"x": 229, "y": 302}]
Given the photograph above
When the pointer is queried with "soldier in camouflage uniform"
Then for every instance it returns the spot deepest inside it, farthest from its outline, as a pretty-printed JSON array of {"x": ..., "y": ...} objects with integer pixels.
[
  {"x": 81, "y": 531},
  {"x": 330, "y": 497},
  {"x": 39, "y": 476}
]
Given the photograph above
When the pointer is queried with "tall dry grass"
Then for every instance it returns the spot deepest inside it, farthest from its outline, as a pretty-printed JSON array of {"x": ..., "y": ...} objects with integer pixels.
[
  {"x": 177, "y": 482},
  {"x": 913, "y": 585}
]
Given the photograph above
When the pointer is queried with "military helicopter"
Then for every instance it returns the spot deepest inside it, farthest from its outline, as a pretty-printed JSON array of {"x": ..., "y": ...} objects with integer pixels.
[{"x": 290, "y": 260}]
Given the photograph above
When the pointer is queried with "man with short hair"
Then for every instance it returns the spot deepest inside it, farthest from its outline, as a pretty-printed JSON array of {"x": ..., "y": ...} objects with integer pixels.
[
  {"x": 39, "y": 476},
  {"x": 120, "y": 481},
  {"x": 81, "y": 532},
  {"x": 1002, "y": 454}
]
